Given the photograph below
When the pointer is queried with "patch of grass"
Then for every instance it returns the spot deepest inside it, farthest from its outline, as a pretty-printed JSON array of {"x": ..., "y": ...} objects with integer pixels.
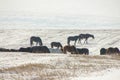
[
  {"x": 61, "y": 68},
  {"x": 25, "y": 67}
]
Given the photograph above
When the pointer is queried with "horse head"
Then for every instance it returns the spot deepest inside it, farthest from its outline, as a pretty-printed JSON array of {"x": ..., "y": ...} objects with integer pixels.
[{"x": 93, "y": 36}]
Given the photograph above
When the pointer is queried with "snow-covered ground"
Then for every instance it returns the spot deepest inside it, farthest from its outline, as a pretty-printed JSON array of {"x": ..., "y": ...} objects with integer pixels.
[
  {"x": 65, "y": 66},
  {"x": 109, "y": 74},
  {"x": 21, "y": 38}
]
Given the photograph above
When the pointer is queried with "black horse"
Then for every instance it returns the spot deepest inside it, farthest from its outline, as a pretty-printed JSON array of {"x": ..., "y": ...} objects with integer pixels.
[
  {"x": 72, "y": 38},
  {"x": 56, "y": 44},
  {"x": 40, "y": 49},
  {"x": 85, "y": 36},
  {"x": 83, "y": 51},
  {"x": 36, "y": 39}
]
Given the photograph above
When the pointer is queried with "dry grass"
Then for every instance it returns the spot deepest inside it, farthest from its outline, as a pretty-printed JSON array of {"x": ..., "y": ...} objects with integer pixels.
[{"x": 61, "y": 69}]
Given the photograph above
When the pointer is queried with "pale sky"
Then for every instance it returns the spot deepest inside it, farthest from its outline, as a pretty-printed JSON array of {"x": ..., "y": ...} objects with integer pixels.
[
  {"x": 64, "y": 7},
  {"x": 60, "y": 13}
]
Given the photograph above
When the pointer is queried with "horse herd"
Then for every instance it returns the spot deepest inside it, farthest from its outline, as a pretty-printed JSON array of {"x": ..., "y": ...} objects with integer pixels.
[
  {"x": 67, "y": 48},
  {"x": 69, "y": 39},
  {"x": 79, "y": 38},
  {"x": 109, "y": 51}
]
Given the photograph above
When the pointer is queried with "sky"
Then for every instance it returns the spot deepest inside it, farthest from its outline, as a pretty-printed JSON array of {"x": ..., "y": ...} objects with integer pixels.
[{"x": 104, "y": 8}]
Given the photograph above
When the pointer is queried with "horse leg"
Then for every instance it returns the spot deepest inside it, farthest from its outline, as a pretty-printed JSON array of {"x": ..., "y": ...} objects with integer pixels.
[
  {"x": 31, "y": 43},
  {"x": 68, "y": 42},
  {"x": 57, "y": 47},
  {"x": 80, "y": 42},
  {"x": 36, "y": 43},
  {"x": 40, "y": 43},
  {"x": 75, "y": 43},
  {"x": 64, "y": 51},
  {"x": 84, "y": 41}
]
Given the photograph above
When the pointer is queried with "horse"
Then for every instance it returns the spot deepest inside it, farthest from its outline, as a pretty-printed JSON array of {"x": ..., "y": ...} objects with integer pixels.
[
  {"x": 27, "y": 49},
  {"x": 103, "y": 51},
  {"x": 85, "y": 36},
  {"x": 69, "y": 48},
  {"x": 112, "y": 50},
  {"x": 4, "y": 50},
  {"x": 72, "y": 38},
  {"x": 56, "y": 44},
  {"x": 116, "y": 51},
  {"x": 40, "y": 49},
  {"x": 83, "y": 51},
  {"x": 36, "y": 39}
]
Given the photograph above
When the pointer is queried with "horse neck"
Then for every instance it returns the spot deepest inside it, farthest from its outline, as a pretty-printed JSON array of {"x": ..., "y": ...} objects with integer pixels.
[{"x": 92, "y": 36}]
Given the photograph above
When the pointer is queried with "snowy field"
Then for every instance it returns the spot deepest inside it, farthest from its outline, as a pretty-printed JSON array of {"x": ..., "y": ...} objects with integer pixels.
[
  {"x": 21, "y": 38},
  {"x": 56, "y": 65}
]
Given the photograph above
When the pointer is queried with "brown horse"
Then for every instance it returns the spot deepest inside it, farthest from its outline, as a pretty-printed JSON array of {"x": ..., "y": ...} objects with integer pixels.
[
  {"x": 112, "y": 51},
  {"x": 69, "y": 48}
]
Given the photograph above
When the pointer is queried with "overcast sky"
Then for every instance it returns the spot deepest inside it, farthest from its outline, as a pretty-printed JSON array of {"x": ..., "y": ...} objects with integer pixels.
[
  {"x": 64, "y": 7},
  {"x": 60, "y": 13}
]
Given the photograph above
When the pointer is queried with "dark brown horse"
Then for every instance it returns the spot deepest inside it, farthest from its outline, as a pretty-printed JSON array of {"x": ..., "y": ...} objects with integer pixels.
[
  {"x": 112, "y": 51},
  {"x": 69, "y": 48}
]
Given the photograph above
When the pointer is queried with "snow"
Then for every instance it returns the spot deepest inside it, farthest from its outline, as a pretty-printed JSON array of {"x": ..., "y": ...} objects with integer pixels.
[
  {"x": 16, "y": 38},
  {"x": 8, "y": 59},
  {"x": 110, "y": 74}
]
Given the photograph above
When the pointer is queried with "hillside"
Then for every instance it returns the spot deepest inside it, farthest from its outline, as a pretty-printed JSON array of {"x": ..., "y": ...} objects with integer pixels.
[
  {"x": 20, "y": 38},
  {"x": 56, "y": 65}
]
